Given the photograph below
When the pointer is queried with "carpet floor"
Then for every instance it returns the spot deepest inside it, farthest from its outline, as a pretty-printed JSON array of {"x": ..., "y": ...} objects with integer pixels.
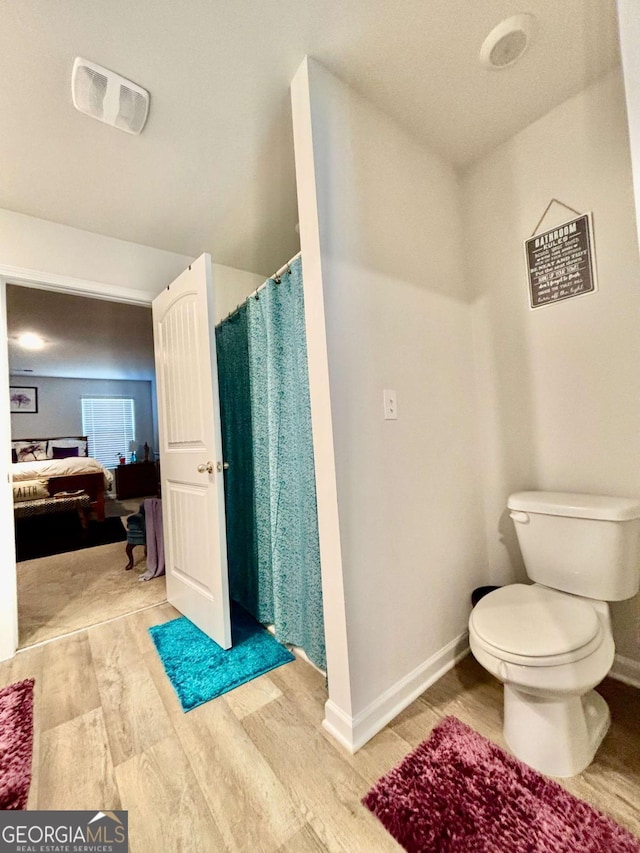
[
  {"x": 16, "y": 744},
  {"x": 460, "y": 793},
  {"x": 200, "y": 670},
  {"x": 114, "y": 508},
  {"x": 66, "y": 592},
  {"x": 59, "y": 533}
]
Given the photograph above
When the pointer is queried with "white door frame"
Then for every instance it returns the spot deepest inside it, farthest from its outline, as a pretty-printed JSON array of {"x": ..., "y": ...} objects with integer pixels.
[{"x": 62, "y": 284}]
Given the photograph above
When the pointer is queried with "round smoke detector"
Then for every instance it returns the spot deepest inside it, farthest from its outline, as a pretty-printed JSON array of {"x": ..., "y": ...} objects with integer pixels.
[{"x": 506, "y": 42}]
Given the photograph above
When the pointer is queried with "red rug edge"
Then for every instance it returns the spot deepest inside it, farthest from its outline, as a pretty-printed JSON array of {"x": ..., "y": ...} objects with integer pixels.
[
  {"x": 450, "y": 724},
  {"x": 16, "y": 798}
]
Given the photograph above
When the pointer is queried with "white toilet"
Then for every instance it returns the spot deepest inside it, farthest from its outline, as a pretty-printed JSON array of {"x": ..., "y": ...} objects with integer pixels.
[{"x": 551, "y": 642}]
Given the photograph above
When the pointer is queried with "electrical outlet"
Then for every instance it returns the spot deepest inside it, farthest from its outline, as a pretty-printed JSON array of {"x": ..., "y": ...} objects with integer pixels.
[{"x": 390, "y": 405}]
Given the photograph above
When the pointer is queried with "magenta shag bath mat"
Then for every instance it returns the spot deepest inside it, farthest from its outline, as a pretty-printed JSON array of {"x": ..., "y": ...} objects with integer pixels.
[
  {"x": 460, "y": 793},
  {"x": 16, "y": 743}
]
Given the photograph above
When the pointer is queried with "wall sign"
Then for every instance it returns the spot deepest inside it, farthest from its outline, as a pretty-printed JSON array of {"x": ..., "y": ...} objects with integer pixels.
[{"x": 560, "y": 262}]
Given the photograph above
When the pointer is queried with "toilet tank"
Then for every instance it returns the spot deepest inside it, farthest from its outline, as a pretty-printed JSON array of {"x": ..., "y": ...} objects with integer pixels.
[{"x": 583, "y": 544}]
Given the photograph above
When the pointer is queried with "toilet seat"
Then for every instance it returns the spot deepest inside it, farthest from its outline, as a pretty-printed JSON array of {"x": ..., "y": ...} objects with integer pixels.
[{"x": 535, "y": 626}]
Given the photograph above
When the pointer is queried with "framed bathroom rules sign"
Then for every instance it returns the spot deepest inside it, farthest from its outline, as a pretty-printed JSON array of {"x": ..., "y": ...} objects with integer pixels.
[{"x": 560, "y": 262}]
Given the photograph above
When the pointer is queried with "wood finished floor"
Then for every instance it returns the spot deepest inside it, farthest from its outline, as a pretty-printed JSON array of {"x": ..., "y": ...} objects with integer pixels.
[{"x": 252, "y": 770}]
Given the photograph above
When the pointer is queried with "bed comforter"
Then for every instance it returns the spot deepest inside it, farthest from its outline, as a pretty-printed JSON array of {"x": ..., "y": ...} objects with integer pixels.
[{"x": 46, "y": 468}]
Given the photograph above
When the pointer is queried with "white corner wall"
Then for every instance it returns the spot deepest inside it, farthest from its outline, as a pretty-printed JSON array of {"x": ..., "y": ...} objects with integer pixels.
[
  {"x": 383, "y": 214},
  {"x": 559, "y": 386},
  {"x": 231, "y": 288}
]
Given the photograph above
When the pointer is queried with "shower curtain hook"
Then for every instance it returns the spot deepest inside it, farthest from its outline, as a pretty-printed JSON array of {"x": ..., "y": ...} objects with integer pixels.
[
  {"x": 277, "y": 279},
  {"x": 288, "y": 270}
]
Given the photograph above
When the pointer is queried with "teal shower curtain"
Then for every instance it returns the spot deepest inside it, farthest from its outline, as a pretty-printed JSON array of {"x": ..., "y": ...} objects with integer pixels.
[
  {"x": 272, "y": 523},
  {"x": 235, "y": 416}
]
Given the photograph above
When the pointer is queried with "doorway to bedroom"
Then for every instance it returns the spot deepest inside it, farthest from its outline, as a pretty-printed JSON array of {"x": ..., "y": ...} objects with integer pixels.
[{"x": 84, "y": 442}]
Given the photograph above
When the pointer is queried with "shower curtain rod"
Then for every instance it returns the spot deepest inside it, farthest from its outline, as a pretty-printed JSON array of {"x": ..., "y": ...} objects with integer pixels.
[
  {"x": 282, "y": 269},
  {"x": 273, "y": 277}
]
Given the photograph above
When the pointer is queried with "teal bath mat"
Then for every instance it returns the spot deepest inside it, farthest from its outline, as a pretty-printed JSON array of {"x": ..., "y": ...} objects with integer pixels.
[{"x": 200, "y": 670}]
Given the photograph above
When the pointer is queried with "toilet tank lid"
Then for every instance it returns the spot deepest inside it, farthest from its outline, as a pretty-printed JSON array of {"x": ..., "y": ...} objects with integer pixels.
[{"x": 571, "y": 505}]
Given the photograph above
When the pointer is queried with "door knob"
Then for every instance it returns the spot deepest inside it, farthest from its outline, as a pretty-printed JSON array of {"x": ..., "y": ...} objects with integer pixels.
[
  {"x": 208, "y": 467},
  {"x": 222, "y": 466}
]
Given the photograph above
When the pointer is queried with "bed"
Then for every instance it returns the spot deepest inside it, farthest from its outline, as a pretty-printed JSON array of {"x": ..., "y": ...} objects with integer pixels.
[{"x": 45, "y": 467}]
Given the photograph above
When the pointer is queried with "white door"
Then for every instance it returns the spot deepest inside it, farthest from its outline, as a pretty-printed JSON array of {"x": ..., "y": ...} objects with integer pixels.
[{"x": 191, "y": 451}]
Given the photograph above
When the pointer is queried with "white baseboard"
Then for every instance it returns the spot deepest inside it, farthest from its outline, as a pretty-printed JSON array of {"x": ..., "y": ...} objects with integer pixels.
[
  {"x": 354, "y": 732},
  {"x": 339, "y": 725},
  {"x": 626, "y": 670}
]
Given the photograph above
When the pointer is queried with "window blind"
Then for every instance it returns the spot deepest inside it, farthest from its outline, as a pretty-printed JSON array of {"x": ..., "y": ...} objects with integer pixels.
[{"x": 110, "y": 425}]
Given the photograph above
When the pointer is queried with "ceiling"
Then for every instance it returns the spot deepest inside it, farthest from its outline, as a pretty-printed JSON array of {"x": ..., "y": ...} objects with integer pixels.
[
  {"x": 213, "y": 170},
  {"x": 84, "y": 338}
]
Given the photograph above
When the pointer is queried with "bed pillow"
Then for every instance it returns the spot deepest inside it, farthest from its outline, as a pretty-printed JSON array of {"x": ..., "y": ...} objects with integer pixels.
[
  {"x": 67, "y": 443},
  {"x": 64, "y": 452},
  {"x": 31, "y": 451},
  {"x": 30, "y": 490}
]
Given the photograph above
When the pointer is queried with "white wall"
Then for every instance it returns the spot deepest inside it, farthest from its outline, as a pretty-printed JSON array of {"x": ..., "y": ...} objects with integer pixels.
[
  {"x": 629, "y": 27},
  {"x": 397, "y": 316},
  {"x": 559, "y": 386},
  {"x": 60, "y": 407},
  {"x": 34, "y": 244},
  {"x": 231, "y": 288},
  {"x": 42, "y": 246}
]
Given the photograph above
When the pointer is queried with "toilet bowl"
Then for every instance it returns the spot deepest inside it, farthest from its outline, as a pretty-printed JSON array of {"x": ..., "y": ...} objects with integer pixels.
[
  {"x": 551, "y": 642},
  {"x": 553, "y": 719}
]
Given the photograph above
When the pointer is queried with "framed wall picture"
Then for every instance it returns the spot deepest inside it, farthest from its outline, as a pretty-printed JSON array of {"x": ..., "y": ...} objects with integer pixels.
[{"x": 23, "y": 399}]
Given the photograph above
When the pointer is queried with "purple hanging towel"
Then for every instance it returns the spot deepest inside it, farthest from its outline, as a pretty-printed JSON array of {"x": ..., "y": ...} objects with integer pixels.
[{"x": 155, "y": 540}]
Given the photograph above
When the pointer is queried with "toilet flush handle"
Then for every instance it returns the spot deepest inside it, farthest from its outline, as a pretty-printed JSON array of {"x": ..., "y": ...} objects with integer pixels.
[{"x": 520, "y": 517}]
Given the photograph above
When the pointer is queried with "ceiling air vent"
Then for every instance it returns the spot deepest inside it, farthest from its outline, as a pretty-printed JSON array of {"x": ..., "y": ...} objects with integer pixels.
[
  {"x": 105, "y": 95},
  {"x": 506, "y": 42}
]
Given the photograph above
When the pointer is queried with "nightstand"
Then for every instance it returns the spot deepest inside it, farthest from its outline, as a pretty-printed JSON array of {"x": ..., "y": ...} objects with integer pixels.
[{"x": 136, "y": 480}]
